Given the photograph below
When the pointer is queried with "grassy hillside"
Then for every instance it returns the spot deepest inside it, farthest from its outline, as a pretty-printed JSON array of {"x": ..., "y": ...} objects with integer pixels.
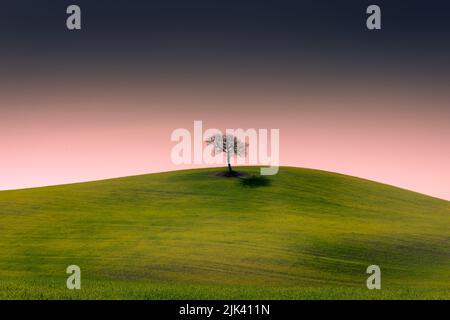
[{"x": 192, "y": 234}]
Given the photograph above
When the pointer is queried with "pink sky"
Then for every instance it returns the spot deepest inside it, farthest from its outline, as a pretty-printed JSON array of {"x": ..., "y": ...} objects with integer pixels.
[{"x": 395, "y": 138}]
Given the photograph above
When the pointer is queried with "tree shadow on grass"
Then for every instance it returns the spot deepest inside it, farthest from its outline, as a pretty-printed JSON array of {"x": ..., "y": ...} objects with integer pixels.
[
  {"x": 227, "y": 174},
  {"x": 255, "y": 181}
]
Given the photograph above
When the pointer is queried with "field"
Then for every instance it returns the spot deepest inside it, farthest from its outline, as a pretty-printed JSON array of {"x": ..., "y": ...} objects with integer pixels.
[{"x": 302, "y": 234}]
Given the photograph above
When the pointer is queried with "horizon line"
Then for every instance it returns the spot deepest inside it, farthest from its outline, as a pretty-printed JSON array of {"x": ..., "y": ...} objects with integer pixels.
[{"x": 205, "y": 168}]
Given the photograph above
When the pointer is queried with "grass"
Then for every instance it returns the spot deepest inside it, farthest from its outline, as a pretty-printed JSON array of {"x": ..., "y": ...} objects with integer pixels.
[{"x": 303, "y": 234}]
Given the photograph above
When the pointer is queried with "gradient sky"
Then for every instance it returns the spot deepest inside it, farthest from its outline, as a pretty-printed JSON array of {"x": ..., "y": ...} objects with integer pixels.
[{"x": 102, "y": 102}]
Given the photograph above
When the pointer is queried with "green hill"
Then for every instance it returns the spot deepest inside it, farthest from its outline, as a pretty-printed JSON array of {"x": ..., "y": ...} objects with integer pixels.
[{"x": 304, "y": 234}]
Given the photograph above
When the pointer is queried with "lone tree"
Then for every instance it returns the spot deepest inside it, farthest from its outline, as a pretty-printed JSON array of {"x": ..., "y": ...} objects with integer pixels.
[{"x": 230, "y": 145}]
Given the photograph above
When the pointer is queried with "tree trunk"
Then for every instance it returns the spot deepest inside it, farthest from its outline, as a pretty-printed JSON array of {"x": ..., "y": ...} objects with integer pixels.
[{"x": 229, "y": 163}]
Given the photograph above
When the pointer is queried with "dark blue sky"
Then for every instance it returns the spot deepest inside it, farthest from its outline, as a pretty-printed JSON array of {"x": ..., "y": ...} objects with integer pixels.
[
  {"x": 232, "y": 25},
  {"x": 321, "y": 34}
]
